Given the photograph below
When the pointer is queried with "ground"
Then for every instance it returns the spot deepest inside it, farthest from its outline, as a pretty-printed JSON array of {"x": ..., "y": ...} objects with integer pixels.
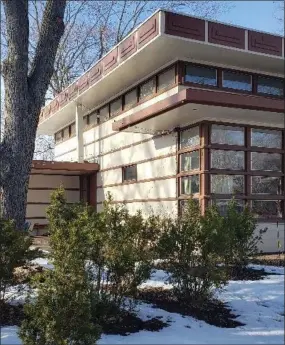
[{"x": 258, "y": 304}]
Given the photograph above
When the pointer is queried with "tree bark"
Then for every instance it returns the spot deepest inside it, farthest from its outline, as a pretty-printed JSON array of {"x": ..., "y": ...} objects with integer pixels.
[{"x": 24, "y": 96}]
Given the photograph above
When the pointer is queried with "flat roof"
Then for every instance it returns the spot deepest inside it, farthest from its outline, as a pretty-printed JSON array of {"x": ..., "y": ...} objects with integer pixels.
[
  {"x": 165, "y": 36},
  {"x": 54, "y": 167}
]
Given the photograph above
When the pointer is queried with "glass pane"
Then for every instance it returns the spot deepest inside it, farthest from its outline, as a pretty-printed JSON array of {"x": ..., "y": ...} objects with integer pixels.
[
  {"x": 147, "y": 89},
  {"x": 232, "y": 160},
  {"x": 266, "y": 161},
  {"x": 229, "y": 135},
  {"x": 104, "y": 113},
  {"x": 115, "y": 107},
  {"x": 166, "y": 78},
  {"x": 130, "y": 173},
  {"x": 190, "y": 184},
  {"x": 201, "y": 75},
  {"x": 58, "y": 136},
  {"x": 222, "y": 205},
  {"x": 270, "y": 86},
  {"x": 93, "y": 118},
  {"x": 266, "y": 138},
  {"x": 130, "y": 99},
  {"x": 66, "y": 132},
  {"x": 267, "y": 208},
  {"x": 237, "y": 81},
  {"x": 266, "y": 185},
  {"x": 72, "y": 129},
  {"x": 183, "y": 204},
  {"x": 190, "y": 138},
  {"x": 190, "y": 161},
  {"x": 227, "y": 184}
]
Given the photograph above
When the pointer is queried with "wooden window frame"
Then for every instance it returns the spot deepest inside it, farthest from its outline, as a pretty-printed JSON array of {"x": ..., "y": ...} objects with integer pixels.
[{"x": 124, "y": 180}]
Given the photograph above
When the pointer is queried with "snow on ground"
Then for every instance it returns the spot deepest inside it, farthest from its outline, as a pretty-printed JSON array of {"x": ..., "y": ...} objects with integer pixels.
[{"x": 259, "y": 304}]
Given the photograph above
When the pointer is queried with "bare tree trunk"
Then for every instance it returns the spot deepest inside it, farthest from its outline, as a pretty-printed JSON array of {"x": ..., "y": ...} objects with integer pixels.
[{"x": 24, "y": 96}]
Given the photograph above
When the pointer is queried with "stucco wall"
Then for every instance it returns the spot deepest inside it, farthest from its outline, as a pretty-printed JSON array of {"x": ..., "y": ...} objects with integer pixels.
[
  {"x": 271, "y": 237},
  {"x": 40, "y": 189}
]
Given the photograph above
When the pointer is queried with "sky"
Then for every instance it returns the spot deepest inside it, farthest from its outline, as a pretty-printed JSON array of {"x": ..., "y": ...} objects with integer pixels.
[{"x": 258, "y": 15}]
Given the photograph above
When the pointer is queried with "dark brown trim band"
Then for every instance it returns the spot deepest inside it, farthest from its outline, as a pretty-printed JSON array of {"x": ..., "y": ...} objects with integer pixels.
[{"x": 139, "y": 200}]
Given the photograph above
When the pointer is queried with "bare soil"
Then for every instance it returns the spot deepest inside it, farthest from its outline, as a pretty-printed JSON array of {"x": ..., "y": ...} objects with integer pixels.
[{"x": 269, "y": 259}]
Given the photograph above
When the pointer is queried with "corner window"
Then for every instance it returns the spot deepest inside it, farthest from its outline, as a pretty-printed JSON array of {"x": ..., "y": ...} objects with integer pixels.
[
  {"x": 266, "y": 161},
  {"x": 130, "y": 173},
  {"x": 227, "y": 184},
  {"x": 147, "y": 89},
  {"x": 267, "y": 208},
  {"x": 229, "y": 135},
  {"x": 222, "y": 205},
  {"x": 270, "y": 86},
  {"x": 190, "y": 185},
  {"x": 166, "y": 79},
  {"x": 230, "y": 160},
  {"x": 93, "y": 118},
  {"x": 58, "y": 137},
  {"x": 266, "y": 138},
  {"x": 266, "y": 185},
  {"x": 190, "y": 137},
  {"x": 65, "y": 134},
  {"x": 190, "y": 161},
  {"x": 237, "y": 81},
  {"x": 201, "y": 75}
]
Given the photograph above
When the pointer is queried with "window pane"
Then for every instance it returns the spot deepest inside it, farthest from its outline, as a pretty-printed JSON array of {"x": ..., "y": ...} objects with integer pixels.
[
  {"x": 232, "y": 160},
  {"x": 130, "y": 173},
  {"x": 266, "y": 185},
  {"x": 270, "y": 86},
  {"x": 72, "y": 129},
  {"x": 166, "y": 78},
  {"x": 237, "y": 81},
  {"x": 66, "y": 132},
  {"x": 190, "y": 184},
  {"x": 115, "y": 107},
  {"x": 104, "y": 113},
  {"x": 266, "y": 138},
  {"x": 201, "y": 75},
  {"x": 93, "y": 118},
  {"x": 130, "y": 99},
  {"x": 229, "y": 135},
  {"x": 267, "y": 208},
  {"x": 227, "y": 184},
  {"x": 190, "y": 138},
  {"x": 147, "y": 89},
  {"x": 222, "y": 205},
  {"x": 266, "y": 161},
  {"x": 58, "y": 136},
  {"x": 190, "y": 161}
]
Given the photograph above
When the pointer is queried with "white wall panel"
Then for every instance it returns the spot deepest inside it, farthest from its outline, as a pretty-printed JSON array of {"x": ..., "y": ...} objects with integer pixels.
[{"x": 270, "y": 238}]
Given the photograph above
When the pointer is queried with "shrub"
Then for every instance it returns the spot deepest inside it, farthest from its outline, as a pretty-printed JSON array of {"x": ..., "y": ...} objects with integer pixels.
[
  {"x": 190, "y": 244},
  {"x": 61, "y": 312},
  {"x": 14, "y": 252},
  {"x": 239, "y": 239},
  {"x": 121, "y": 253}
]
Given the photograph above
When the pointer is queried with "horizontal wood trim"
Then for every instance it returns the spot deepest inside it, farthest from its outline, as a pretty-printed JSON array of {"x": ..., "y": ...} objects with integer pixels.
[
  {"x": 47, "y": 203},
  {"x": 141, "y": 161},
  {"x": 246, "y": 197},
  {"x": 36, "y": 218},
  {"x": 139, "y": 200},
  {"x": 243, "y": 172},
  {"x": 52, "y": 174},
  {"x": 138, "y": 181}
]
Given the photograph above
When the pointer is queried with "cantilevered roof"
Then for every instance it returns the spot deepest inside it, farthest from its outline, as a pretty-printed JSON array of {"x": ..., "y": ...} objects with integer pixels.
[
  {"x": 192, "y": 105},
  {"x": 161, "y": 39},
  {"x": 53, "y": 167}
]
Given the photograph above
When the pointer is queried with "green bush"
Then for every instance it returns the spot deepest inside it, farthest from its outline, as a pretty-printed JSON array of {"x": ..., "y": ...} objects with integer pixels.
[
  {"x": 239, "y": 239},
  {"x": 61, "y": 312},
  {"x": 121, "y": 253},
  {"x": 14, "y": 252},
  {"x": 190, "y": 245}
]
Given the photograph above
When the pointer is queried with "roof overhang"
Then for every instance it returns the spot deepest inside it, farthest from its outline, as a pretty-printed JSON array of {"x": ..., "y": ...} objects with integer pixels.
[
  {"x": 66, "y": 168},
  {"x": 193, "y": 105},
  {"x": 166, "y": 37}
]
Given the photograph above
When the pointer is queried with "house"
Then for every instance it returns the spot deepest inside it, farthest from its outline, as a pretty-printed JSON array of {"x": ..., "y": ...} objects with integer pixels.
[{"x": 182, "y": 106}]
